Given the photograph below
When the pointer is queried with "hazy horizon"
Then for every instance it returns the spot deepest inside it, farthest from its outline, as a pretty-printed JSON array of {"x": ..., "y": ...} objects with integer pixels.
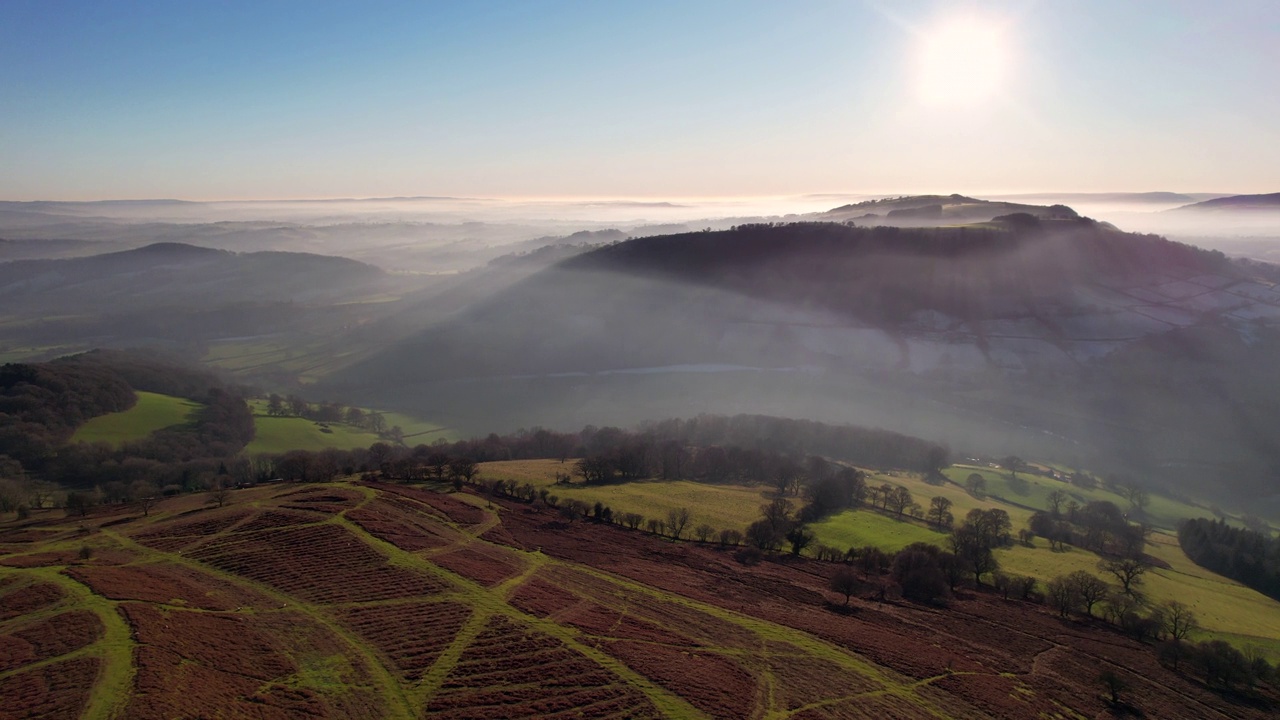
[{"x": 669, "y": 100}]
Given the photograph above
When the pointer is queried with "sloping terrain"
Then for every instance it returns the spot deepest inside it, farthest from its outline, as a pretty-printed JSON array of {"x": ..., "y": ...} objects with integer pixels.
[
  {"x": 1269, "y": 201},
  {"x": 347, "y": 600},
  {"x": 1060, "y": 338}
]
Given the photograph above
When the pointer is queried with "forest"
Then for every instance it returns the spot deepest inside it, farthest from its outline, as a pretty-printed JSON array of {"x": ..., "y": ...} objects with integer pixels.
[{"x": 1244, "y": 555}]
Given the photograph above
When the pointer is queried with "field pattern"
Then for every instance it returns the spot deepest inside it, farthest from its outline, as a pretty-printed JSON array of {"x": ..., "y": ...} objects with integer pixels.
[
  {"x": 1226, "y": 609},
  {"x": 375, "y": 600}
]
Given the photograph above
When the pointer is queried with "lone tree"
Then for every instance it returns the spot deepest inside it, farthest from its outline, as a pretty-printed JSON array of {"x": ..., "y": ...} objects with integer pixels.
[
  {"x": 1114, "y": 684},
  {"x": 1129, "y": 572},
  {"x": 939, "y": 514},
  {"x": 1013, "y": 464},
  {"x": 800, "y": 538},
  {"x": 845, "y": 582},
  {"x": 79, "y": 502},
  {"x": 1179, "y": 621},
  {"x": 898, "y": 500},
  {"x": 219, "y": 494},
  {"x": 1089, "y": 588},
  {"x": 677, "y": 519},
  {"x": 1056, "y": 499},
  {"x": 976, "y": 484}
]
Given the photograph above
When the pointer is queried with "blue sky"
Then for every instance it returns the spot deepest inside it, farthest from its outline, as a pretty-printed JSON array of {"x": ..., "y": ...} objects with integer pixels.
[{"x": 647, "y": 99}]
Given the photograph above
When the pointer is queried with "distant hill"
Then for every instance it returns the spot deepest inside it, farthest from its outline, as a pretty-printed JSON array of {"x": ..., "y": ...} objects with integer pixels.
[
  {"x": 1270, "y": 201},
  {"x": 178, "y": 274},
  {"x": 1061, "y": 337},
  {"x": 915, "y": 210},
  {"x": 177, "y": 294},
  {"x": 1155, "y": 198}
]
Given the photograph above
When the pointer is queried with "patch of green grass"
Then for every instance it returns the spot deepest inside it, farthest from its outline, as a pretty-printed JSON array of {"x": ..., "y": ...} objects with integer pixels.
[
  {"x": 1161, "y": 511},
  {"x": 1224, "y": 608},
  {"x": 152, "y": 412},
  {"x": 418, "y": 431},
  {"x": 720, "y": 506},
  {"x": 857, "y": 528},
  {"x": 274, "y": 435}
]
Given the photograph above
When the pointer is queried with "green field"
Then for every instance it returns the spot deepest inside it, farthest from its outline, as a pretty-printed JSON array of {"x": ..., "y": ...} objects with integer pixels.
[
  {"x": 274, "y": 435},
  {"x": 1226, "y": 609},
  {"x": 720, "y": 506},
  {"x": 1162, "y": 512},
  {"x": 859, "y": 528},
  {"x": 152, "y": 412}
]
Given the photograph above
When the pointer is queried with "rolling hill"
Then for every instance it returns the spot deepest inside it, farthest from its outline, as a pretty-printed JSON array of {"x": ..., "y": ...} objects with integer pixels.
[{"x": 1054, "y": 336}]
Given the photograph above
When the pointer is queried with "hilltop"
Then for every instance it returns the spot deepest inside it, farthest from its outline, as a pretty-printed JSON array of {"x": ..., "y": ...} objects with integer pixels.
[
  {"x": 1055, "y": 336},
  {"x": 917, "y": 210}
]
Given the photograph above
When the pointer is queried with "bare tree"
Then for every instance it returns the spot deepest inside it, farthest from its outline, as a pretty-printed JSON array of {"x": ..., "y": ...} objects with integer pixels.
[
  {"x": 1056, "y": 500},
  {"x": 1114, "y": 684},
  {"x": 899, "y": 500},
  {"x": 219, "y": 494},
  {"x": 800, "y": 538},
  {"x": 846, "y": 583},
  {"x": 976, "y": 485},
  {"x": 677, "y": 519},
  {"x": 1061, "y": 595},
  {"x": 1128, "y": 571},
  {"x": 704, "y": 532},
  {"x": 730, "y": 537},
  {"x": 939, "y": 514},
  {"x": 1013, "y": 464},
  {"x": 1179, "y": 621},
  {"x": 1090, "y": 589}
]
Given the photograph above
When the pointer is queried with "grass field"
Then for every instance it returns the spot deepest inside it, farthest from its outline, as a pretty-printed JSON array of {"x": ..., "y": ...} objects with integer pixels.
[
  {"x": 152, "y": 412},
  {"x": 1225, "y": 608},
  {"x": 274, "y": 435}
]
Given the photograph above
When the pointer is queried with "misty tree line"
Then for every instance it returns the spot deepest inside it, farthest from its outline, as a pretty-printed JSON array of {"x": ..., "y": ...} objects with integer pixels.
[
  {"x": 332, "y": 412},
  {"x": 1244, "y": 555},
  {"x": 1098, "y": 525}
]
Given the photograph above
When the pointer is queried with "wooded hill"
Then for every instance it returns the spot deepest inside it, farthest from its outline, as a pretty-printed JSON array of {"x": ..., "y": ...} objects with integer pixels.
[{"x": 1054, "y": 336}]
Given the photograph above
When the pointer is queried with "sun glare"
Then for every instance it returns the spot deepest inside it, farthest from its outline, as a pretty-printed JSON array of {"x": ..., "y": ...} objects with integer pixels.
[{"x": 961, "y": 61}]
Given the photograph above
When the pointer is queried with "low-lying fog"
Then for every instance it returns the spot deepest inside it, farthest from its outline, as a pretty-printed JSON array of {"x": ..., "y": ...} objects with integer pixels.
[{"x": 442, "y": 235}]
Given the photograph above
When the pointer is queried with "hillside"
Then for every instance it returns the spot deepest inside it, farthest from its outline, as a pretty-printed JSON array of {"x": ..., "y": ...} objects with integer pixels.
[
  {"x": 379, "y": 601},
  {"x": 176, "y": 274},
  {"x": 1058, "y": 338},
  {"x": 1270, "y": 201},
  {"x": 180, "y": 296}
]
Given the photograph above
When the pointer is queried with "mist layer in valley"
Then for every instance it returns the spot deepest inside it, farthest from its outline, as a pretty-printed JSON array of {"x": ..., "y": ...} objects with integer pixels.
[{"x": 997, "y": 325}]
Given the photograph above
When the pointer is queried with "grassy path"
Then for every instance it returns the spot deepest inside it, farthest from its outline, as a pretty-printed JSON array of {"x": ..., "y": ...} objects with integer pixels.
[{"x": 398, "y": 705}]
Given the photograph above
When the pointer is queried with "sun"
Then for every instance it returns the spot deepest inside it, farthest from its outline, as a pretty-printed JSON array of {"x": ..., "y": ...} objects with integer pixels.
[{"x": 961, "y": 61}]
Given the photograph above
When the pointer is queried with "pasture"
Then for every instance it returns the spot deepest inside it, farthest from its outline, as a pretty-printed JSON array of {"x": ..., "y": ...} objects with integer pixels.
[
  {"x": 1226, "y": 609},
  {"x": 152, "y": 412}
]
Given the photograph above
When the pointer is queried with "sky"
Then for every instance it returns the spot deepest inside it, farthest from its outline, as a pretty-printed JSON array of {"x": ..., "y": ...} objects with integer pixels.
[{"x": 646, "y": 99}]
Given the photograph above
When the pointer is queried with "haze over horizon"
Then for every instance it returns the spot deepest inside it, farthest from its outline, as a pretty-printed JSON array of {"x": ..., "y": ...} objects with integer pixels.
[{"x": 656, "y": 100}]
